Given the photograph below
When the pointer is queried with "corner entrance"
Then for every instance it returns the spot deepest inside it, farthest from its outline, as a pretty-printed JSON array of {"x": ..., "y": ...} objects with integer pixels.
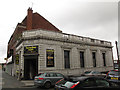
[{"x": 30, "y": 66}]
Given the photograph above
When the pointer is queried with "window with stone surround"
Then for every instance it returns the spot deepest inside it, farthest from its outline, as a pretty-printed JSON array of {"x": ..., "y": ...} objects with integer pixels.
[
  {"x": 82, "y": 59},
  {"x": 67, "y": 58},
  {"x": 104, "y": 59},
  {"x": 94, "y": 58}
]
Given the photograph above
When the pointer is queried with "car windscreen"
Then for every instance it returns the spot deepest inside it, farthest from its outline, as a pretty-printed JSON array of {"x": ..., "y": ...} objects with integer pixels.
[
  {"x": 95, "y": 72},
  {"x": 39, "y": 74},
  {"x": 68, "y": 84},
  {"x": 87, "y": 72},
  {"x": 61, "y": 82}
]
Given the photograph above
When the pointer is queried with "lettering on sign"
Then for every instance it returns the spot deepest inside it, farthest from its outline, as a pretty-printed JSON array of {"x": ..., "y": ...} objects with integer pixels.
[
  {"x": 50, "y": 57},
  {"x": 17, "y": 59},
  {"x": 31, "y": 50}
]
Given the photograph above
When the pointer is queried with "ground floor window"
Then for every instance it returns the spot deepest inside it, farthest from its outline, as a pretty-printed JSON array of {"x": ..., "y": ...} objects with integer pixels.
[
  {"x": 67, "y": 58},
  {"x": 104, "y": 59},
  {"x": 94, "y": 59},
  {"x": 82, "y": 59}
]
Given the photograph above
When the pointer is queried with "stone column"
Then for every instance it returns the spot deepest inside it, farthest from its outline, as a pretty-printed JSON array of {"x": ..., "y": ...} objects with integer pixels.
[
  {"x": 41, "y": 58},
  {"x": 109, "y": 61},
  {"x": 59, "y": 58},
  {"x": 74, "y": 63},
  {"x": 88, "y": 59},
  {"x": 99, "y": 59}
]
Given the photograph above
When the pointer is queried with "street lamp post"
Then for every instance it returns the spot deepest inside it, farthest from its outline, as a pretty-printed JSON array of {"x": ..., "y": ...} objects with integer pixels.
[{"x": 117, "y": 55}]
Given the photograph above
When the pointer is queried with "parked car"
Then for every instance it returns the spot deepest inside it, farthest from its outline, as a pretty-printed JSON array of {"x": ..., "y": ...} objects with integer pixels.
[
  {"x": 93, "y": 73},
  {"x": 76, "y": 83},
  {"x": 47, "y": 79},
  {"x": 114, "y": 76}
]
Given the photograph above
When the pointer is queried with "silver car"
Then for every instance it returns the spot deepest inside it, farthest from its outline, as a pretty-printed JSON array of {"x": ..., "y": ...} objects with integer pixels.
[
  {"x": 93, "y": 73},
  {"x": 47, "y": 79}
]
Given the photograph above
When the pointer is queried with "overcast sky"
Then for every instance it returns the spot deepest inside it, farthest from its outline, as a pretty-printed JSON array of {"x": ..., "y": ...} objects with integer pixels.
[{"x": 88, "y": 18}]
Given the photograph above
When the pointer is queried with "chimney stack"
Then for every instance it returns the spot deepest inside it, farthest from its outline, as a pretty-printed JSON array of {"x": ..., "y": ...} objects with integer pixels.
[{"x": 29, "y": 18}]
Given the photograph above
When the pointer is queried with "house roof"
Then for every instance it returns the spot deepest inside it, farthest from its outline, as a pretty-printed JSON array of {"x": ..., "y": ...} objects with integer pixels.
[{"x": 39, "y": 22}]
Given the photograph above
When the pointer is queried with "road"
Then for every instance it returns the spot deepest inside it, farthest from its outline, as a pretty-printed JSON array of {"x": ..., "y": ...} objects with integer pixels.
[{"x": 9, "y": 82}]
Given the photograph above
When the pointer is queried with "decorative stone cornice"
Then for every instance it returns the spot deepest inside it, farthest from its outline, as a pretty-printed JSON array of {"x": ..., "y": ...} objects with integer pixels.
[{"x": 63, "y": 37}]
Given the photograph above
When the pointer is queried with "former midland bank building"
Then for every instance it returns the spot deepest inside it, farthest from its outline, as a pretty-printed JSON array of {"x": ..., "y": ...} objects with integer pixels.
[{"x": 41, "y": 50}]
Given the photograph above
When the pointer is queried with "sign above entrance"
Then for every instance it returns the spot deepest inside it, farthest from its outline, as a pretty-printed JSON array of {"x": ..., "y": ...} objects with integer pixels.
[{"x": 31, "y": 50}]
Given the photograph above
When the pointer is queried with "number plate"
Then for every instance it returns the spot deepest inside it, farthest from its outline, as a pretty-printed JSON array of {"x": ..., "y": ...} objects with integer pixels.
[{"x": 115, "y": 78}]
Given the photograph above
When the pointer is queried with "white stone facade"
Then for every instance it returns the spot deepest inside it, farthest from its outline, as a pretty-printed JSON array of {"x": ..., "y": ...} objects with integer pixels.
[{"x": 60, "y": 42}]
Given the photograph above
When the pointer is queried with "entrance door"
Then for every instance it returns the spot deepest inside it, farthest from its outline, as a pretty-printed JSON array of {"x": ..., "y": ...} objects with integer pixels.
[{"x": 30, "y": 67}]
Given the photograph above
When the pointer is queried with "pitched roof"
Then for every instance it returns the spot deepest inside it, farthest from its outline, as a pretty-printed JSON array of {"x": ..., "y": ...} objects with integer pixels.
[{"x": 39, "y": 22}]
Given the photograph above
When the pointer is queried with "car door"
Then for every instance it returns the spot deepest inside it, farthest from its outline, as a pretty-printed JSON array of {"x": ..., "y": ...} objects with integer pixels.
[
  {"x": 87, "y": 83},
  {"x": 102, "y": 83},
  {"x": 59, "y": 76},
  {"x": 53, "y": 78}
]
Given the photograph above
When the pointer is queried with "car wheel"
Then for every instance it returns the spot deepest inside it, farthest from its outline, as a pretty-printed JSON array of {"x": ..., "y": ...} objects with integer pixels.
[{"x": 47, "y": 85}]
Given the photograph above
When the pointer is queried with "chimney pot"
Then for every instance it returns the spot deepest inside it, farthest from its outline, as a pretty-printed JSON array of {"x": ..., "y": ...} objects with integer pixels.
[{"x": 29, "y": 18}]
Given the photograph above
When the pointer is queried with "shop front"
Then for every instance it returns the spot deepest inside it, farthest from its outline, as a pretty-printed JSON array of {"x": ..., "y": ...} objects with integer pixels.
[{"x": 30, "y": 62}]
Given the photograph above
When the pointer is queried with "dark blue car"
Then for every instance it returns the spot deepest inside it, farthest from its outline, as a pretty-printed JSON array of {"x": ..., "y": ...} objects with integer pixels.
[{"x": 113, "y": 76}]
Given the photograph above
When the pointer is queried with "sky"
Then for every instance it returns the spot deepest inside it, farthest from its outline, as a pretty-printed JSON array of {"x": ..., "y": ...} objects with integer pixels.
[{"x": 88, "y": 18}]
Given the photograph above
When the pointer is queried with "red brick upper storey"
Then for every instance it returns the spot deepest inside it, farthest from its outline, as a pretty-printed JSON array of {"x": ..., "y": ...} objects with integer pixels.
[{"x": 31, "y": 22}]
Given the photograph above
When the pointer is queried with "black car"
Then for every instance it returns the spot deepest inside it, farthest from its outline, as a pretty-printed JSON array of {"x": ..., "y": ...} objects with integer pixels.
[
  {"x": 113, "y": 76},
  {"x": 75, "y": 83}
]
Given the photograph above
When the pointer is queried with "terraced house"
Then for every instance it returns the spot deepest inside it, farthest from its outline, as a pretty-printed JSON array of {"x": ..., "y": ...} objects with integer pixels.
[{"x": 38, "y": 46}]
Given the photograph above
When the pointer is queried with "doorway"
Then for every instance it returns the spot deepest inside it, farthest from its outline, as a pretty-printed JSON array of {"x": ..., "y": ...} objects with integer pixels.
[{"x": 30, "y": 67}]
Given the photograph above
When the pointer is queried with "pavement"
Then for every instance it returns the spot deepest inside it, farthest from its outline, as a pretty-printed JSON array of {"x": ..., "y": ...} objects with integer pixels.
[
  {"x": 28, "y": 82},
  {"x": 9, "y": 81}
]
